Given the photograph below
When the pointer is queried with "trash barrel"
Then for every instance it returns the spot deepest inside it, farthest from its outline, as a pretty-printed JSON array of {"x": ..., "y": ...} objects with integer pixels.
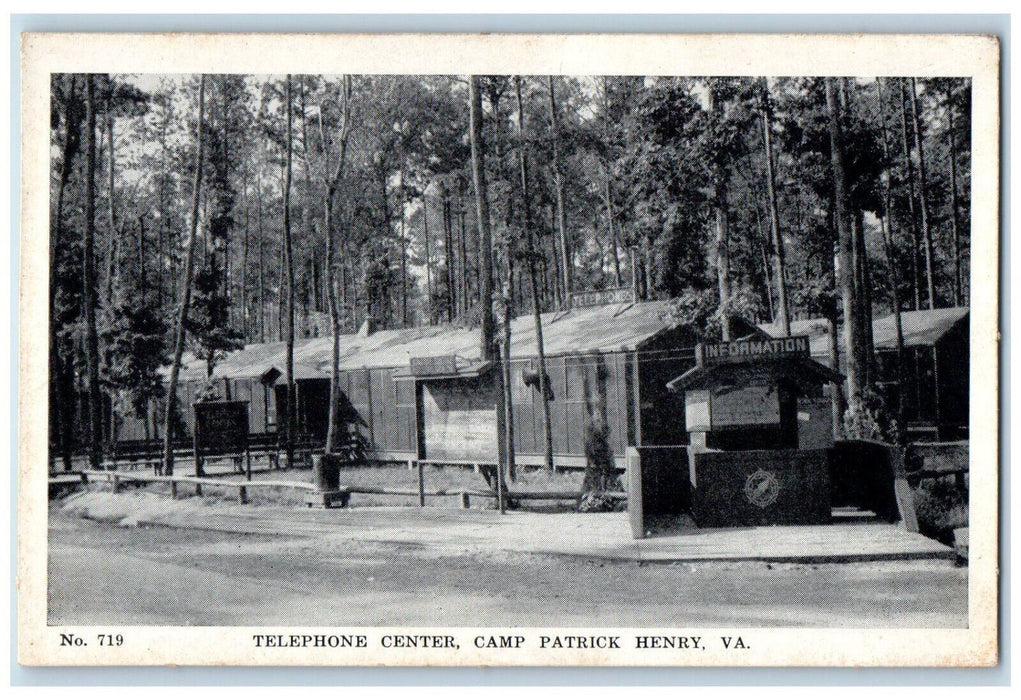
[{"x": 326, "y": 472}]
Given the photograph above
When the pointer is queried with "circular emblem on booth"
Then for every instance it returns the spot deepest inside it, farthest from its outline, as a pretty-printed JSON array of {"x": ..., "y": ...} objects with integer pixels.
[{"x": 761, "y": 488}]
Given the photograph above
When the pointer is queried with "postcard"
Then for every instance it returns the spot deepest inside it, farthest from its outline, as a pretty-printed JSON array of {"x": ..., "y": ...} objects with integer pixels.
[{"x": 508, "y": 350}]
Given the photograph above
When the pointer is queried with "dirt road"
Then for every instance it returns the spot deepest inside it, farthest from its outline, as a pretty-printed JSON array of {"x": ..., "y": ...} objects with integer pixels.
[{"x": 102, "y": 573}]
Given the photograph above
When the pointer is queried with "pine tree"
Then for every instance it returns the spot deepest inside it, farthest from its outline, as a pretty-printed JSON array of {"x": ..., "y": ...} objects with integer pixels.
[
  {"x": 169, "y": 419},
  {"x": 135, "y": 335},
  {"x": 208, "y": 321}
]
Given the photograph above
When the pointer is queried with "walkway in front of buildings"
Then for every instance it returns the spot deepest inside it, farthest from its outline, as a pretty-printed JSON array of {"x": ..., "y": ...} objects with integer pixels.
[{"x": 597, "y": 536}]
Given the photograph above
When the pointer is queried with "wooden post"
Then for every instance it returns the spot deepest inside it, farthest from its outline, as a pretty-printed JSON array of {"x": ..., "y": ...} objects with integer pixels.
[
  {"x": 196, "y": 441},
  {"x": 465, "y": 501},
  {"x": 198, "y": 489},
  {"x": 937, "y": 417},
  {"x": 116, "y": 483},
  {"x": 635, "y": 505},
  {"x": 248, "y": 460},
  {"x": 902, "y": 491},
  {"x": 421, "y": 484},
  {"x": 499, "y": 490},
  {"x": 173, "y": 489},
  {"x": 243, "y": 493},
  {"x": 636, "y": 388}
]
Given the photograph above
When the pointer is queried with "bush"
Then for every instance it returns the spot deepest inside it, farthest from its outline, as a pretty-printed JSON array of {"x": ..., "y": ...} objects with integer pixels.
[
  {"x": 941, "y": 508},
  {"x": 871, "y": 421},
  {"x": 600, "y": 472}
]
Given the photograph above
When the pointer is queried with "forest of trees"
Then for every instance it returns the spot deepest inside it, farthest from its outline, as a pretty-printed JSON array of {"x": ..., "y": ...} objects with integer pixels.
[{"x": 205, "y": 212}]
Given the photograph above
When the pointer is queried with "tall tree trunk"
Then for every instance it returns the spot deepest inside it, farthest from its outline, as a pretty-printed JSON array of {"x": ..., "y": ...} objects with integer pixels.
[
  {"x": 862, "y": 276},
  {"x": 508, "y": 402},
  {"x": 766, "y": 275},
  {"x": 607, "y": 186},
  {"x": 886, "y": 223},
  {"x": 482, "y": 213},
  {"x": 404, "y": 254},
  {"x": 289, "y": 270},
  {"x": 558, "y": 183},
  {"x": 721, "y": 244},
  {"x": 636, "y": 282},
  {"x": 112, "y": 260},
  {"x": 954, "y": 209},
  {"x": 916, "y": 278},
  {"x": 164, "y": 244},
  {"x": 262, "y": 259},
  {"x": 774, "y": 214},
  {"x": 225, "y": 155},
  {"x": 923, "y": 199},
  {"x": 860, "y": 261},
  {"x": 766, "y": 271},
  {"x": 613, "y": 240},
  {"x": 62, "y": 401},
  {"x": 282, "y": 292},
  {"x": 111, "y": 201},
  {"x": 89, "y": 281},
  {"x": 142, "y": 273},
  {"x": 463, "y": 269},
  {"x": 855, "y": 372},
  {"x": 836, "y": 390},
  {"x": 530, "y": 254},
  {"x": 487, "y": 335},
  {"x": 428, "y": 260},
  {"x": 721, "y": 258},
  {"x": 189, "y": 272},
  {"x": 244, "y": 250},
  {"x": 555, "y": 256},
  {"x": 306, "y": 211},
  {"x": 648, "y": 283},
  {"x": 449, "y": 254},
  {"x": 335, "y": 426},
  {"x": 507, "y": 283}
]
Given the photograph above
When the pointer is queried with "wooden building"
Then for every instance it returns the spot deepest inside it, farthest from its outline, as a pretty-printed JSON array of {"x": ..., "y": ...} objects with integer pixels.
[
  {"x": 935, "y": 382},
  {"x": 614, "y": 360}
]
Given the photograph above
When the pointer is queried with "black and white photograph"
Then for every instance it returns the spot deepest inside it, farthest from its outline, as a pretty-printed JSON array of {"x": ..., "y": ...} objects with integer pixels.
[{"x": 661, "y": 366}]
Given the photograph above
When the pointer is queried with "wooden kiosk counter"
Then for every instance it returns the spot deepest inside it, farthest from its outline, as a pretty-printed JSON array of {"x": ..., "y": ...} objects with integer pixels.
[{"x": 760, "y": 431}]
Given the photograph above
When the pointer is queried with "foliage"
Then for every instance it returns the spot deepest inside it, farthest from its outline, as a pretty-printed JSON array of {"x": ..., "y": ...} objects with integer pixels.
[
  {"x": 872, "y": 420},
  {"x": 135, "y": 332},
  {"x": 600, "y": 471},
  {"x": 208, "y": 322},
  {"x": 645, "y": 162},
  {"x": 210, "y": 391},
  {"x": 701, "y": 313}
]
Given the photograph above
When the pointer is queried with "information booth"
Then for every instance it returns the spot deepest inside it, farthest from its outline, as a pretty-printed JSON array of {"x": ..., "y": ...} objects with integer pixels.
[{"x": 760, "y": 431}]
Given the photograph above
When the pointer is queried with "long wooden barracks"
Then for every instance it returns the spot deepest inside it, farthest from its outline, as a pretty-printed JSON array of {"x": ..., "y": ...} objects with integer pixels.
[
  {"x": 423, "y": 392},
  {"x": 934, "y": 382}
]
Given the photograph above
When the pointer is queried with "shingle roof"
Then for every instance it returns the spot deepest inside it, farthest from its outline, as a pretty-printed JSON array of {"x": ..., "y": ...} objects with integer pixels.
[{"x": 599, "y": 328}]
